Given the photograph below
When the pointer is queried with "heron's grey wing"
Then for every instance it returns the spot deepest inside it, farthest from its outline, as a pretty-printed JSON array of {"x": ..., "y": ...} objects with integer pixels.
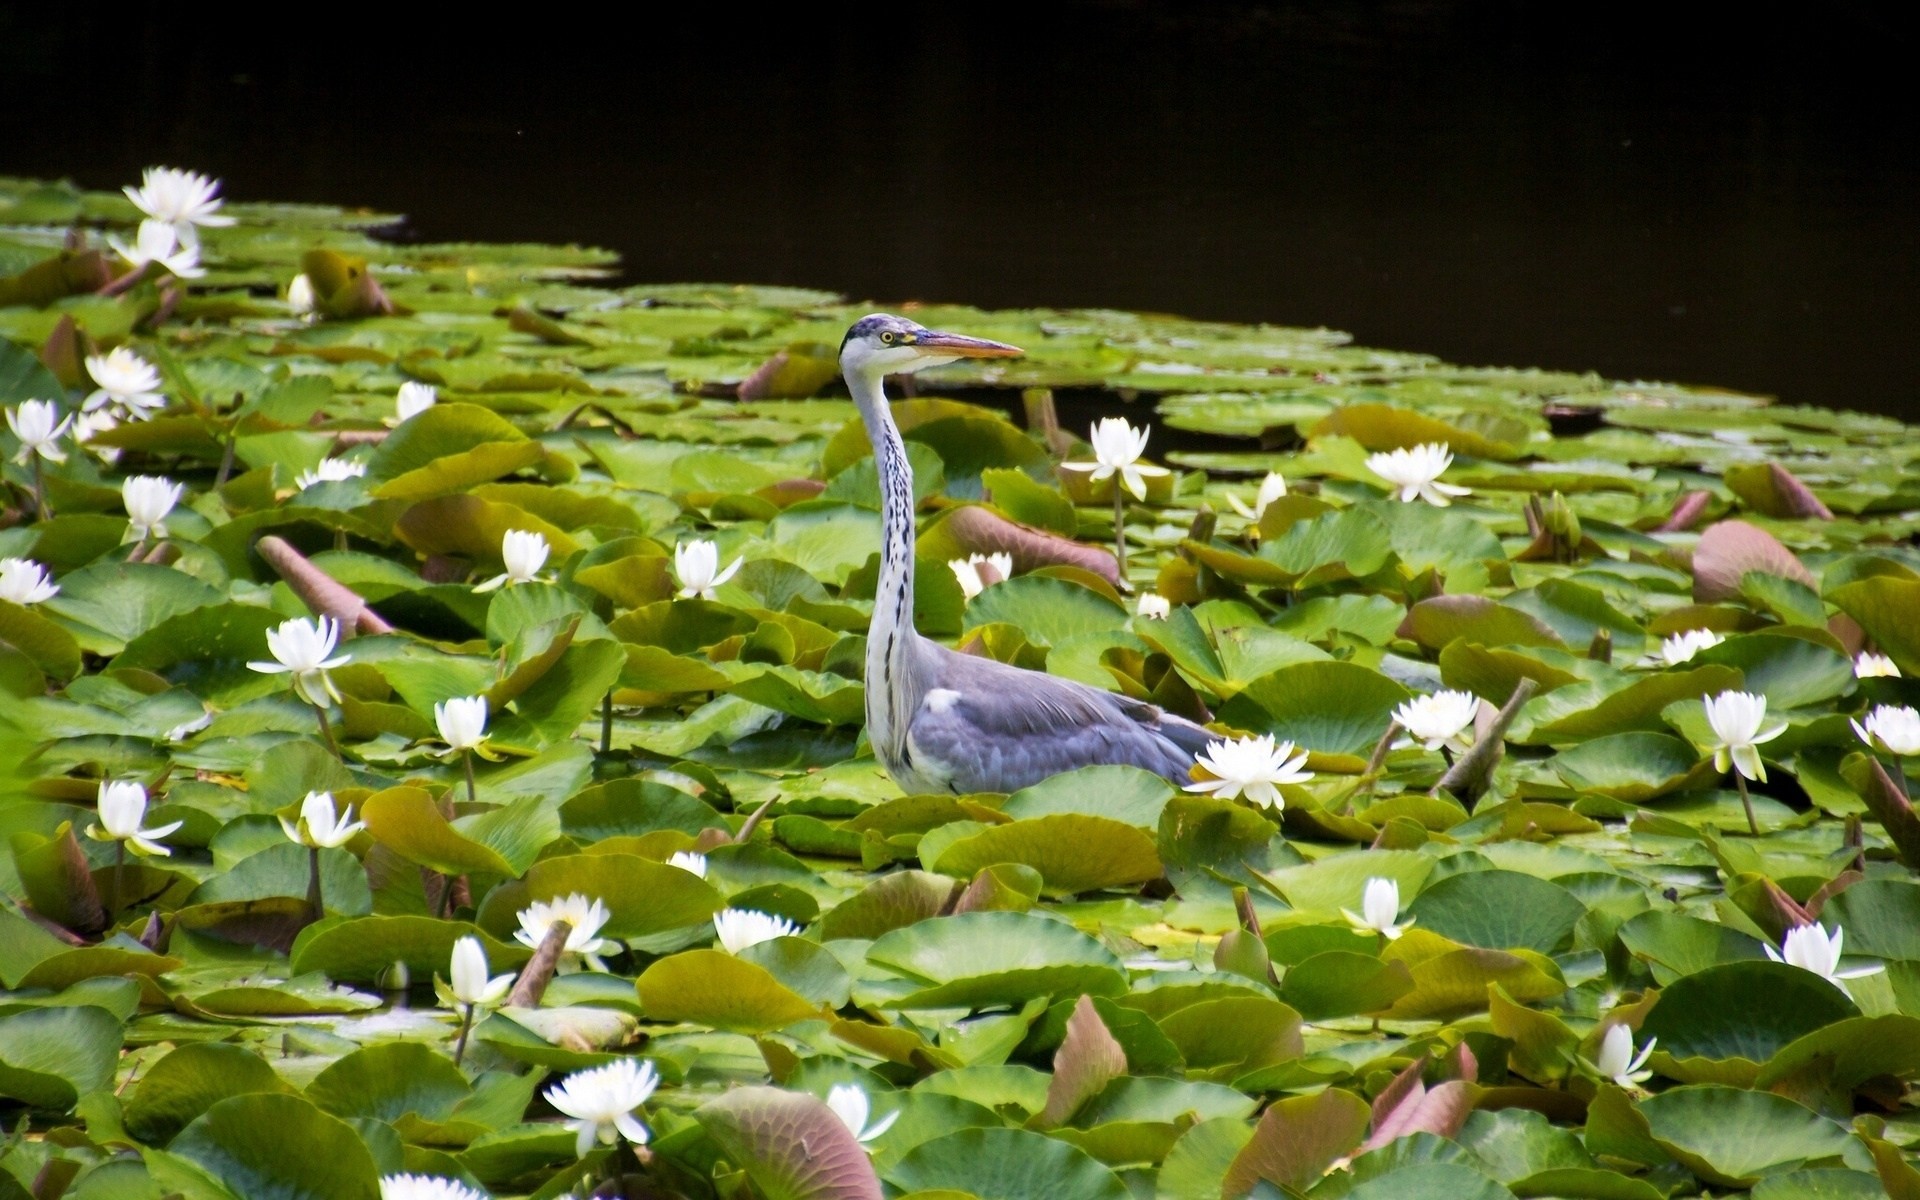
[{"x": 989, "y": 727}]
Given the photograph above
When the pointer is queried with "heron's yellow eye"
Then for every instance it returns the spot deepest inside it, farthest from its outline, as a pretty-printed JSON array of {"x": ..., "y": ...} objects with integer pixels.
[{"x": 886, "y": 339}]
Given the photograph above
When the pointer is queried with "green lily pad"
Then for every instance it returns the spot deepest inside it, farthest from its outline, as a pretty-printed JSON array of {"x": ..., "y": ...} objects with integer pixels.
[
  {"x": 979, "y": 959},
  {"x": 1328, "y": 707},
  {"x": 717, "y": 989},
  {"x": 1072, "y": 851},
  {"x": 1731, "y": 1137},
  {"x": 243, "y": 1142},
  {"x": 1009, "y": 1164}
]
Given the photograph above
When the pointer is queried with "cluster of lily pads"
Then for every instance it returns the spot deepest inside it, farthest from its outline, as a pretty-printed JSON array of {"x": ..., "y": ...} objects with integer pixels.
[{"x": 430, "y": 749}]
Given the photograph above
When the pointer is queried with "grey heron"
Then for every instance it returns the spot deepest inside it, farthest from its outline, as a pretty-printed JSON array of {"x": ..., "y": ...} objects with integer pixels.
[{"x": 941, "y": 721}]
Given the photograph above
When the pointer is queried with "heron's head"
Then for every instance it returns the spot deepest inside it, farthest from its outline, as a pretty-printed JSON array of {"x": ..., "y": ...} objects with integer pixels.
[{"x": 890, "y": 345}]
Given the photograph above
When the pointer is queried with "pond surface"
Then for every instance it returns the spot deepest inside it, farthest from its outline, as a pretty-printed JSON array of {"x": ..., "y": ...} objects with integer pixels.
[{"x": 1729, "y": 205}]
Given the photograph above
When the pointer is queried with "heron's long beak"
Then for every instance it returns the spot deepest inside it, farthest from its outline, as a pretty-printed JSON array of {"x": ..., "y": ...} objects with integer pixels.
[{"x": 961, "y": 346}]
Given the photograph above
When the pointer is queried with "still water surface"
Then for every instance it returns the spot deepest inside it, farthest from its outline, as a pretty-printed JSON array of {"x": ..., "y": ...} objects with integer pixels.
[{"x": 1584, "y": 188}]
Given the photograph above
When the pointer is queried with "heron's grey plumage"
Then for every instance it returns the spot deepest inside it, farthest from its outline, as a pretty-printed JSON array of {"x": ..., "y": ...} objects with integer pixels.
[{"x": 940, "y": 721}]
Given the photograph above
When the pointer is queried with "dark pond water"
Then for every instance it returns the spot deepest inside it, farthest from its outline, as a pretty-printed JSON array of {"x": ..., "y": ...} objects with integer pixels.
[{"x": 1584, "y": 187}]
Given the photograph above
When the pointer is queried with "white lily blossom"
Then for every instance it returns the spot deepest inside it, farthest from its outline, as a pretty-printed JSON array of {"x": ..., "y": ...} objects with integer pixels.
[
  {"x": 696, "y": 564},
  {"x": 585, "y": 915},
  {"x": 1812, "y": 948},
  {"x": 462, "y": 722},
  {"x": 1738, "y": 719},
  {"x": 305, "y": 649},
  {"x": 183, "y": 200},
  {"x": 425, "y": 1187},
  {"x": 601, "y": 1102},
  {"x": 186, "y": 729},
  {"x": 414, "y": 399},
  {"x": 123, "y": 806},
  {"x": 1895, "y": 729},
  {"x": 1154, "y": 607},
  {"x": 972, "y": 580},
  {"x": 1682, "y": 646},
  {"x": 1379, "y": 905},
  {"x": 1415, "y": 472},
  {"x": 124, "y": 378},
  {"x": 1444, "y": 718},
  {"x": 148, "y": 499},
  {"x": 1873, "y": 666},
  {"x": 687, "y": 860},
  {"x": 467, "y": 975},
  {"x": 330, "y": 470},
  {"x": 39, "y": 426},
  {"x": 1253, "y": 767},
  {"x": 301, "y": 300},
  {"x": 850, "y": 1103},
  {"x": 87, "y": 424},
  {"x": 156, "y": 242},
  {"x": 1117, "y": 447},
  {"x": 1272, "y": 488},
  {"x": 24, "y": 581},
  {"x": 524, "y": 552},
  {"x": 322, "y": 826},
  {"x": 738, "y": 928},
  {"x": 1617, "y": 1061}
]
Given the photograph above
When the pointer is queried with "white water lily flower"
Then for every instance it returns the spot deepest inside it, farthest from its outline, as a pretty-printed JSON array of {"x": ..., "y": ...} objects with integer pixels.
[
  {"x": 849, "y": 1102},
  {"x": 687, "y": 860},
  {"x": 462, "y": 722},
  {"x": 300, "y": 298},
  {"x": 1682, "y": 646},
  {"x": 1415, "y": 472},
  {"x": 414, "y": 399},
  {"x": 186, "y": 729},
  {"x": 1443, "y": 719},
  {"x": 1617, "y": 1061},
  {"x": 87, "y": 424},
  {"x": 1154, "y": 607},
  {"x": 425, "y": 1187},
  {"x": 330, "y": 470},
  {"x": 696, "y": 564},
  {"x": 1893, "y": 729},
  {"x": 39, "y": 426},
  {"x": 1812, "y": 948},
  {"x": 467, "y": 975},
  {"x": 305, "y": 648},
  {"x": 181, "y": 199},
  {"x": 524, "y": 552},
  {"x": 1874, "y": 666},
  {"x": 123, "y": 806},
  {"x": 584, "y": 914},
  {"x": 321, "y": 826},
  {"x": 1737, "y": 718},
  {"x": 148, "y": 499},
  {"x": 1253, "y": 767},
  {"x": 601, "y": 1102},
  {"x": 23, "y": 581},
  {"x": 1271, "y": 488},
  {"x": 1117, "y": 447},
  {"x": 124, "y": 378},
  {"x": 158, "y": 243},
  {"x": 1379, "y": 905},
  {"x": 972, "y": 580},
  {"x": 738, "y": 928}
]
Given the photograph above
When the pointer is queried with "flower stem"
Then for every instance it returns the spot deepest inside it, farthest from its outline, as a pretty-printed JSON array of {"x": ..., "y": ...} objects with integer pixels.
[
  {"x": 316, "y": 903},
  {"x": 40, "y": 488},
  {"x": 606, "y": 723},
  {"x": 1746, "y": 802},
  {"x": 113, "y": 881},
  {"x": 473, "y": 792},
  {"x": 466, "y": 1027},
  {"x": 1120, "y": 528},
  {"x": 326, "y": 731}
]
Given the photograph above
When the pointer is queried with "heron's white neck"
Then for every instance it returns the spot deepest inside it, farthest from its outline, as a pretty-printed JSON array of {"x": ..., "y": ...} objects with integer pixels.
[{"x": 892, "y": 685}]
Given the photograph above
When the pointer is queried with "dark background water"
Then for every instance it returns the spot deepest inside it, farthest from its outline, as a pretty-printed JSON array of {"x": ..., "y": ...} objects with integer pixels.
[{"x": 1622, "y": 187}]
